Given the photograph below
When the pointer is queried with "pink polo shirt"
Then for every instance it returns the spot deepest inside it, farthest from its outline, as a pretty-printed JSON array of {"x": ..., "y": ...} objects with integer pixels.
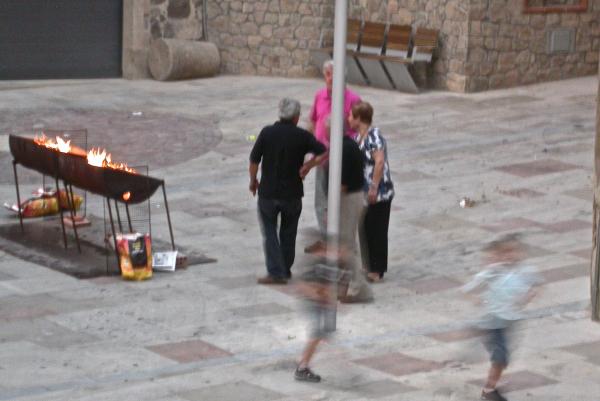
[{"x": 321, "y": 110}]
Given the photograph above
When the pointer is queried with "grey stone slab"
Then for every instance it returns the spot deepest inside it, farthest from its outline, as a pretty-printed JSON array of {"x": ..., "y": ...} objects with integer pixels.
[
  {"x": 375, "y": 73},
  {"x": 354, "y": 75},
  {"x": 43, "y": 333},
  {"x": 259, "y": 310},
  {"x": 401, "y": 77},
  {"x": 232, "y": 283},
  {"x": 6, "y": 276},
  {"x": 231, "y": 392},
  {"x": 441, "y": 222},
  {"x": 381, "y": 388}
]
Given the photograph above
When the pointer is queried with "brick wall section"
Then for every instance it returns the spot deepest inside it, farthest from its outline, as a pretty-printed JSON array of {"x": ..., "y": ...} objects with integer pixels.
[{"x": 508, "y": 48}]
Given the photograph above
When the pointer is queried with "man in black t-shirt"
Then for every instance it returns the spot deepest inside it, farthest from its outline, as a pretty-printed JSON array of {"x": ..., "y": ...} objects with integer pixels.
[{"x": 280, "y": 149}]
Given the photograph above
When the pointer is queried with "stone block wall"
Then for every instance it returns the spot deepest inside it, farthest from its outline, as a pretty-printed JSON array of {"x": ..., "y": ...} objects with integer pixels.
[
  {"x": 483, "y": 44},
  {"x": 508, "y": 47},
  {"x": 268, "y": 37},
  {"x": 181, "y": 19}
]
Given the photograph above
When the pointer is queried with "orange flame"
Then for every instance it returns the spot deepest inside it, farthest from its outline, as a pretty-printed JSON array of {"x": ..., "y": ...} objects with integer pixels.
[
  {"x": 126, "y": 196},
  {"x": 98, "y": 158},
  {"x": 58, "y": 144}
]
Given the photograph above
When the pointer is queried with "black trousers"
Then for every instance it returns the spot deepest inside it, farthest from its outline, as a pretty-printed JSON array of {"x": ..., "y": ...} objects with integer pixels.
[{"x": 374, "y": 237}]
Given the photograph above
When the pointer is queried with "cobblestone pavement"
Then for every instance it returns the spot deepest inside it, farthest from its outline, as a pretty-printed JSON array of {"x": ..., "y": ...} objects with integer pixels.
[{"x": 210, "y": 333}]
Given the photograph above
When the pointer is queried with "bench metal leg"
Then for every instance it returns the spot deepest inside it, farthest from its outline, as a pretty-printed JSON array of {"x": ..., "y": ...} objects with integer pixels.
[
  {"x": 354, "y": 73},
  {"x": 401, "y": 77},
  {"x": 376, "y": 74}
]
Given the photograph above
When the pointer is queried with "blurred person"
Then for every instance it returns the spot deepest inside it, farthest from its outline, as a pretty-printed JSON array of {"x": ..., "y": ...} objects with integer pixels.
[
  {"x": 504, "y": 286},
  {"x": 319, "y": 116},
  {"x": 379, "y": 191},
  {"x": 281, "y": 148}
]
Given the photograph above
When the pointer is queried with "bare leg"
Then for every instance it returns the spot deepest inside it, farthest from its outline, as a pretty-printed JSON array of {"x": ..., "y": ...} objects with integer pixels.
[
  {"x": 308, "y": 352},
  {"x": 494, "y": 375}
]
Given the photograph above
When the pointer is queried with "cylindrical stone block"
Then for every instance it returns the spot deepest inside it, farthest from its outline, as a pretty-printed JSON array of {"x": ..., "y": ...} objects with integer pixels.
[{"x": 172, "y": 59}]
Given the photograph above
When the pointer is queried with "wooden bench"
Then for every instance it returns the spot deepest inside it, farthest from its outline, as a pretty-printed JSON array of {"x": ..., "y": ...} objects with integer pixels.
[
  {"x": 382, "y": 55},
  {"x": 424, "y": 43},
  {"x": 396, "y": 61}
]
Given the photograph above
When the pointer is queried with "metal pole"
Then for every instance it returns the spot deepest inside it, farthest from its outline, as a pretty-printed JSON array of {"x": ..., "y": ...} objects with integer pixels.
[
  {"x": 128, "y": 217},
  {"x": 18, "y": 196},
  {"x": 62, "y": 221},
  {"x": 335, "y": 139},
  {"x": 71, "y": 205},
  {"x": 118, "y": 216},
  {"x": 112, "y": 227},
  {"x": 168, "y": 216}
]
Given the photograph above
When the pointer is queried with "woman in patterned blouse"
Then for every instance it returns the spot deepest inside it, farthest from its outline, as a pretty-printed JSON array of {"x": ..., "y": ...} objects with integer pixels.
[{"x": 379, "y": 191}]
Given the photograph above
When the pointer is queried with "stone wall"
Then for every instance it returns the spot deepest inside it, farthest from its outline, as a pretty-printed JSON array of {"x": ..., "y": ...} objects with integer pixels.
[
  {"x": 509, "y": 48},
  {"x": 484, "y": 44},
  {"x": 268, "y": 37},
  {"x": 447, "y": 16},
  {"x": 181, "y": 19}
]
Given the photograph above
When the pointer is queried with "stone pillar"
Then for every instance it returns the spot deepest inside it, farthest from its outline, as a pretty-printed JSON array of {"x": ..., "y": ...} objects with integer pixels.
[
  {"x": 136, "y": 39},
  {"x": 595, "y": 267}
]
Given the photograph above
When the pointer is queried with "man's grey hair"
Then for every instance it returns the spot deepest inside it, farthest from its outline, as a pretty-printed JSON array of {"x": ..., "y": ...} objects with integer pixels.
[
  {"x": 328, "y": 65},
  {"x": 289, "y": 109}
]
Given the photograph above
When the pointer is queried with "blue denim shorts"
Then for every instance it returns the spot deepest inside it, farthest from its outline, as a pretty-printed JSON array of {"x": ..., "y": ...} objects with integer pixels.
[
  {"x": 322, "y": 319},
  {"x": 496, "y": 343}
]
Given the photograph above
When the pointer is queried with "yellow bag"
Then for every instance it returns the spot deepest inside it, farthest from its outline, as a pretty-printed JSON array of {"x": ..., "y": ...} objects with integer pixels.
[{"x": 135, "y": 256}]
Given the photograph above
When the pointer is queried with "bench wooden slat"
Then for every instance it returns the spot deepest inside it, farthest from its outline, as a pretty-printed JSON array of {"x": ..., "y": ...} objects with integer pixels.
[
  {"x": 426, "y": 37},
  {"x": 372, "y": 37}
]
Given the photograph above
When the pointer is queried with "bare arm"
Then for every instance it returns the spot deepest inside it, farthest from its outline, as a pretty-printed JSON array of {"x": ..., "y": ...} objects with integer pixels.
[
  {"x": 315, "y": 161},
  {"x": 379, "y": 158},
  {"x": 253, "y": 171}
]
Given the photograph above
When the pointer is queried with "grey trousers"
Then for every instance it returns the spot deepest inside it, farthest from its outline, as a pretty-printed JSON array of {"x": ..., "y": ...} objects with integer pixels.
[{"x": 351, "y": 213}]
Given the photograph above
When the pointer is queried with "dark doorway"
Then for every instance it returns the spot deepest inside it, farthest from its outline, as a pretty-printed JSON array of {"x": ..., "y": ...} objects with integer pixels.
[{"x": 60, "y": 39}]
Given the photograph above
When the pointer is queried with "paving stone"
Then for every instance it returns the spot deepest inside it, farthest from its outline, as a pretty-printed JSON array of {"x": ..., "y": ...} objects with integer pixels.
[
  {"x": 189, "y": 351},
  {"x": 590, "y": 351},
  {"x": 517, "y": 381},
  {"x": 231, "y": 392},
  {"x": 232, "y": 283},
  {"x": 267, "y": 309},
  {"x": 517, "y": 223},
  {"x": 398, "y": 364},
  {"x": 43, "y": 333},
  {"x": 522, "y": 193},
  {"x": 532, "y": 251},
  {"x": 456, "y": 335},
  {"x": 6, "y": 276},
  {"x": 441, "y": 222},
  {"x": 585, "y": 194},
  {"x": 538, "y": 167},
  {"x": 583, "y": 253},
  {"x": 565, "y": 273},
  {"x": 430, "y": 285},
  {"x": 568, "y": 226},
  {"x": 410, "y": 176},
  {"x": 381, "y": 388}
]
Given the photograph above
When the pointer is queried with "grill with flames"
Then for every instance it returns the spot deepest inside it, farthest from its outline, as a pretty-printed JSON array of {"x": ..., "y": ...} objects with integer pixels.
[{"x": 93, "y": 171}]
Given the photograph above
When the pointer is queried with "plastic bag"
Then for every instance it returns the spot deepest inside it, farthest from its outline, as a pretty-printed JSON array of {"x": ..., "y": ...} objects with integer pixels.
[{"x": 135, "y": 256}]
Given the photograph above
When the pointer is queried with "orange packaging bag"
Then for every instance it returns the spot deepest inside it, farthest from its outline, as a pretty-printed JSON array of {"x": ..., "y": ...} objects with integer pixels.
[{"x": 135, "y": 256}]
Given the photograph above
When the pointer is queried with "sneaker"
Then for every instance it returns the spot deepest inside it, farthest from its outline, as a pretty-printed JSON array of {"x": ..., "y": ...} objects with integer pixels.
[
  {"x": 492, "y": 396},
  {"x": 271, "y": 280},
  {"x": 306, "y": 375},
  {"x": 318, "y": 246}
]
